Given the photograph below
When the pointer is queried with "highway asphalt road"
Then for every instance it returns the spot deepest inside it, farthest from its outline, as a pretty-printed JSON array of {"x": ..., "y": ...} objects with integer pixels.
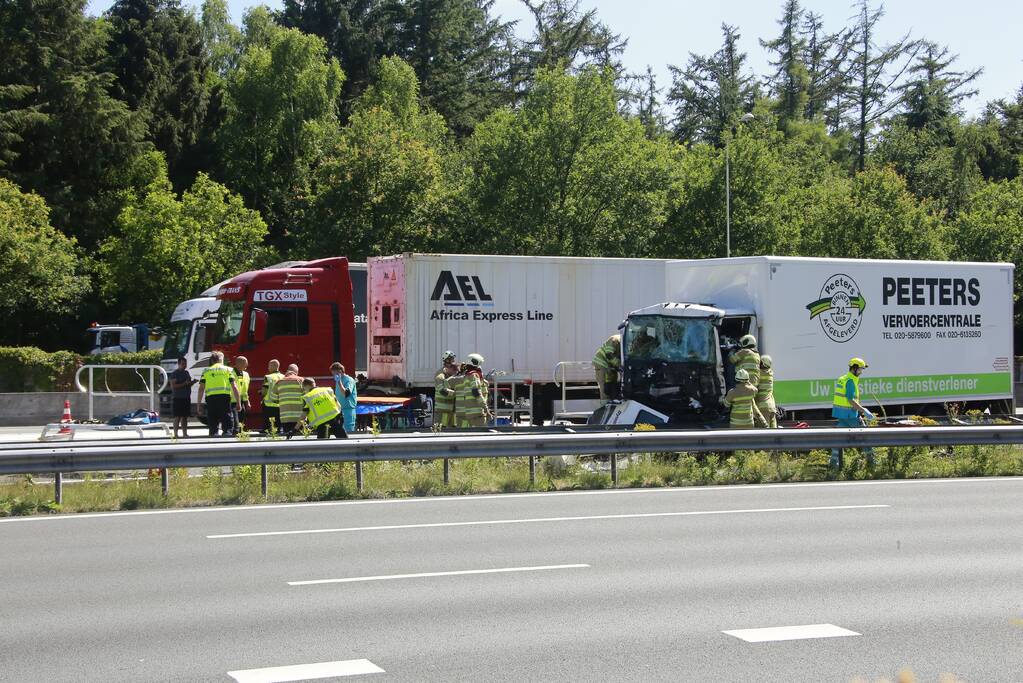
[{"x": 655, "y": 584}]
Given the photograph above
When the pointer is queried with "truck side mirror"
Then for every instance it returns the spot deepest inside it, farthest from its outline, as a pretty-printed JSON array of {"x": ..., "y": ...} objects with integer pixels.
[{"x": 259, "y": 321}]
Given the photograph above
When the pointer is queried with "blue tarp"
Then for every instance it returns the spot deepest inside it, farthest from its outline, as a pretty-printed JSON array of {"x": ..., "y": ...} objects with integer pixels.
[{"x": 377, "y": 408}]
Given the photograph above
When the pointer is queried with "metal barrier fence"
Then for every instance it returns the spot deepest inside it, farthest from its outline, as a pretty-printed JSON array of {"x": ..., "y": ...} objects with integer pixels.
[
  {"x": 152, "y": 391},
  {"x": 110, "y": 456}
]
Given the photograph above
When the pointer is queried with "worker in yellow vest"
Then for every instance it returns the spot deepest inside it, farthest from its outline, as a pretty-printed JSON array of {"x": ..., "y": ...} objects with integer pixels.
[
  {"x": 607, "y": 365},
  {"x": 322, "y": 411},
  {"x": 747, "y": 358},
  {"x": 240, "y": 407},
  {"x": 847, "y": 409},
  {"x": 287, "y": 394},
  {"x": 741, "y": 400},
  {"x": 271, "y": 408},
  {"x": 218, "y": 386},
  {"x": 443, "y": 395},
  {"x": 765, "y": 392}
]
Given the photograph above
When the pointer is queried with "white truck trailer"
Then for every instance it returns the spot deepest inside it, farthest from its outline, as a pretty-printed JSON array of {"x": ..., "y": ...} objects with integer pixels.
[
  {"x": 932, "y": 332},
  {"x": 524, "y": 314}
]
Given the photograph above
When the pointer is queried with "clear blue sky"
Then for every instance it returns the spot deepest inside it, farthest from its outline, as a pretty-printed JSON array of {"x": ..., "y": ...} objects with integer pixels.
[{"x": 985, "y": 33}]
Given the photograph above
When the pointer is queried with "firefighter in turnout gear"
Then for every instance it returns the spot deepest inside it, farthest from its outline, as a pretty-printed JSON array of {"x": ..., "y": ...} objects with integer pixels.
[
  {"x": 765, "y": 392},
  {"x": 740, "y": 399},
  {"x": 470, "y": 397},
  {"x": 747, "y": 358},
  {"x": 443, "y": 395},
  {"x": 607, "y": 366}
]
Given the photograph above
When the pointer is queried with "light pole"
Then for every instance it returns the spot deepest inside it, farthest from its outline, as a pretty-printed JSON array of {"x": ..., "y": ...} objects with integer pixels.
[{"x": 747, "y": 117}]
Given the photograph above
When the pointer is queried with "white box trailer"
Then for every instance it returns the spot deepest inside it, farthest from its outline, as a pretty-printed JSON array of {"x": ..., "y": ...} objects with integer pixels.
[
  {"x": 931, "y": 331},
  {"x": 524, "y": 314}
]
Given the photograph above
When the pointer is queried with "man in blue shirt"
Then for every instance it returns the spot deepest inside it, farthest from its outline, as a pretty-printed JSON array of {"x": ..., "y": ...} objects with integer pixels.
[
  {"x": 847, "y": 409},
  {"x": 345, "y": 389}
]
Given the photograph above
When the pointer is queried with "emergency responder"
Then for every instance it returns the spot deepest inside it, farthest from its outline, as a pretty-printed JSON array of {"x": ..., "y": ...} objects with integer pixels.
[
  {"x": 240, "y": 407},
  {"x": 765, "y": 392},
  {"x": 847, "y": 409},
  {"x": 607, "y": 365},
  {"x": 322, "y": 412},
  {"x": 644, "y": 345},
  {"x": 271, "y": 409},
  {"x": 287, "y": 393},
  {"x": 740, "y": 398},
  {"x": 470, "y": 402},
  {"x": 443, "y": 395},
  {"x": 218, "y": 385},
  {"x": 747, "y": 358},
  {"x": 476, "y": 368},
  {"x": 347, "y": 394}
]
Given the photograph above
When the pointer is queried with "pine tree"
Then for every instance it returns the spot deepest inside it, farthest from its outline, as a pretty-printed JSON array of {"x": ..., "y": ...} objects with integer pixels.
[
  {"x": 162, "y": 71},
  {"x": 710, "y": 92},
  {"x": 936, "y": 92},
  {"x": 790, "y": 80}
]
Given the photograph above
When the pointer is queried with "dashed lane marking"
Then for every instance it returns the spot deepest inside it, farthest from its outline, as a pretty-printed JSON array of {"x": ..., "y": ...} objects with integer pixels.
[
  {"x": 421, "y": 575},
  {"x": 306, "y": 672},
  {"x": 805, "y": 632}
]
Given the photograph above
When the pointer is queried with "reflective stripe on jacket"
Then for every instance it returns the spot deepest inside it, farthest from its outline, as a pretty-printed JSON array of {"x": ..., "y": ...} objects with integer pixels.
[
  {"x": 443, "y": 396},
  {"x": 288, "y": 394},
  {"x": 321, "y": 406},
  {"x": 740, "y": 400},
  {"x": 748, "y": 360},
  {"x": 268, "y": 384},
  {"x": 609, "y": 354},
  {"x": 217, "y": 379},
  {"x": 242, "y": 381}
]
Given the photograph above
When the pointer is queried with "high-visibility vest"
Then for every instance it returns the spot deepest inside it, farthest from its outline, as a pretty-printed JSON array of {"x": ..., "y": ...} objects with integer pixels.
[
  {"x": 443, "y": 396},
  {"x": 268, "y": 384},
  {"x": 468, "y": 407},
  {"x": 321, "y": 406},
  {"x": 740, "y": 400},
  {"x": 242, "y": 381},
  {"x": 217, "y": 379},
  {"x": 765, "y": 389},
  {"x": 748, "y": 360},
  {"x": 838, "y": 399},
  {"x": 288, "y": 392},
  {"x": 608, "y": 356}
]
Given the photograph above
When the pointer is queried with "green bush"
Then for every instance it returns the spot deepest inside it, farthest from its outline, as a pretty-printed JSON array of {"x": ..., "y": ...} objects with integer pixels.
[
  {"x": 27, "y": 368},
  {"x": 138, "y": 358}
]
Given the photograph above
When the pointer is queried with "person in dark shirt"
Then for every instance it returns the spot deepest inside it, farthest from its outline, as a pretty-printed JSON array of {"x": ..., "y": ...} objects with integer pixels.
[{"x": 181, "y": 397}]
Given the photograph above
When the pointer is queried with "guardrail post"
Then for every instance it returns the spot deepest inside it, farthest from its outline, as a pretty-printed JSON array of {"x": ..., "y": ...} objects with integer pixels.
[
  {"x": 532, "y": 470},
  {"x": 264, "y": 481},
  {"x": 358, "y": 475},
  {"x": 614, "y": 469},
  {"x": 58, "y": 487},
  {"x": 447, "y": 471},
  {"x": 165, "y": 481}
]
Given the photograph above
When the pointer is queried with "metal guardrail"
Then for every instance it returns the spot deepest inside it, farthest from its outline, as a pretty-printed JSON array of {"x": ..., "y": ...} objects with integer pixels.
[
  {"x": 151, "y": 390},
  {"x": 42, "y": 459}
]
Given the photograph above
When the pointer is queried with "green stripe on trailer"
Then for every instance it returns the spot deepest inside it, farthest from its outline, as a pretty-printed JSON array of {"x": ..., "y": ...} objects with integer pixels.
[{"x": 792, "y": 393}]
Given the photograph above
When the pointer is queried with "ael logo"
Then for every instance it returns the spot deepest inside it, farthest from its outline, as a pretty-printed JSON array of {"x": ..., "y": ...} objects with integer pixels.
[{"x": 460, "y": 290}]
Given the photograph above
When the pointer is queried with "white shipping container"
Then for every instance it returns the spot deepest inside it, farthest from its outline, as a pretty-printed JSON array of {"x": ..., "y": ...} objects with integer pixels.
[
  {"x": 931, "y": 331},
  {"x": 524, "y": 314}
]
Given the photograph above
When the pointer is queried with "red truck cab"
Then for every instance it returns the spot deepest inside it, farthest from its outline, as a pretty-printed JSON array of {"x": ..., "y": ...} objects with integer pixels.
[{"x": 302, "y": 313}]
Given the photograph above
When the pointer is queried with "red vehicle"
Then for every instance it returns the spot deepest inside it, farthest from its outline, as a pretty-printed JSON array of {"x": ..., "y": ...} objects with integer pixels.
[{"x": 301, "y": 314}]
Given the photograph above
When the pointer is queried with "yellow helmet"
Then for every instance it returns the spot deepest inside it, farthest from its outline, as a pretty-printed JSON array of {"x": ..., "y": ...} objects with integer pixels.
[
  {"x": 857, "y": 363},
  {"x": 741, "y": 375}
]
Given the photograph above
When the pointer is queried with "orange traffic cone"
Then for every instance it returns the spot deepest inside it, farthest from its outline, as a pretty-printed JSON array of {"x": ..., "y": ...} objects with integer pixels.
[{"x": 65, "y": 419}]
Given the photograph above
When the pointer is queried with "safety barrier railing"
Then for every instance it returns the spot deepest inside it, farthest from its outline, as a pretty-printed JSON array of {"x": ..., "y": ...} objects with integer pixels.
[
  {"x": 562, "y": 382},
  {"x": 53, "y": 458},
  {"x": 151, "y": 390}
]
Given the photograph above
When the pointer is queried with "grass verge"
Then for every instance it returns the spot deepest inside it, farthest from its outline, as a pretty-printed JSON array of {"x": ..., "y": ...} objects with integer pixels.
[{"x": 499, "y": 475}]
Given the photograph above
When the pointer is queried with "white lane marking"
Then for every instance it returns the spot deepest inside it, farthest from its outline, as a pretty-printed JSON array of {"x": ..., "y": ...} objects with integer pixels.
[
  {"x": 539, "y": 520},
  {"x": 734, "y": 488},
  {"x": 306, "y": 672},
  {"x": 764, "y": 635},
  {"x": 463, "y": 572}
]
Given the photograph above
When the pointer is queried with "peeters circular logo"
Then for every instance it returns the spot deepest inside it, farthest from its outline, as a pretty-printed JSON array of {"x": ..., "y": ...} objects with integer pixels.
[{"x": 839, "y": 308}]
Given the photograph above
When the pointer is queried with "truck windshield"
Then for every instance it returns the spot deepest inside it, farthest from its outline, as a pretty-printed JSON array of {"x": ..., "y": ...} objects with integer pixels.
[
  {"x": 229, "y": 322},
  {"x": 177, "y": 339},
  {"x": 650, "y": 337}
]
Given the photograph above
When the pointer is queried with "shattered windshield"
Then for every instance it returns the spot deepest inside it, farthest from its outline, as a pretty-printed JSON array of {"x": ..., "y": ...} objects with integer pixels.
[{"x": 652, "y": 337}]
